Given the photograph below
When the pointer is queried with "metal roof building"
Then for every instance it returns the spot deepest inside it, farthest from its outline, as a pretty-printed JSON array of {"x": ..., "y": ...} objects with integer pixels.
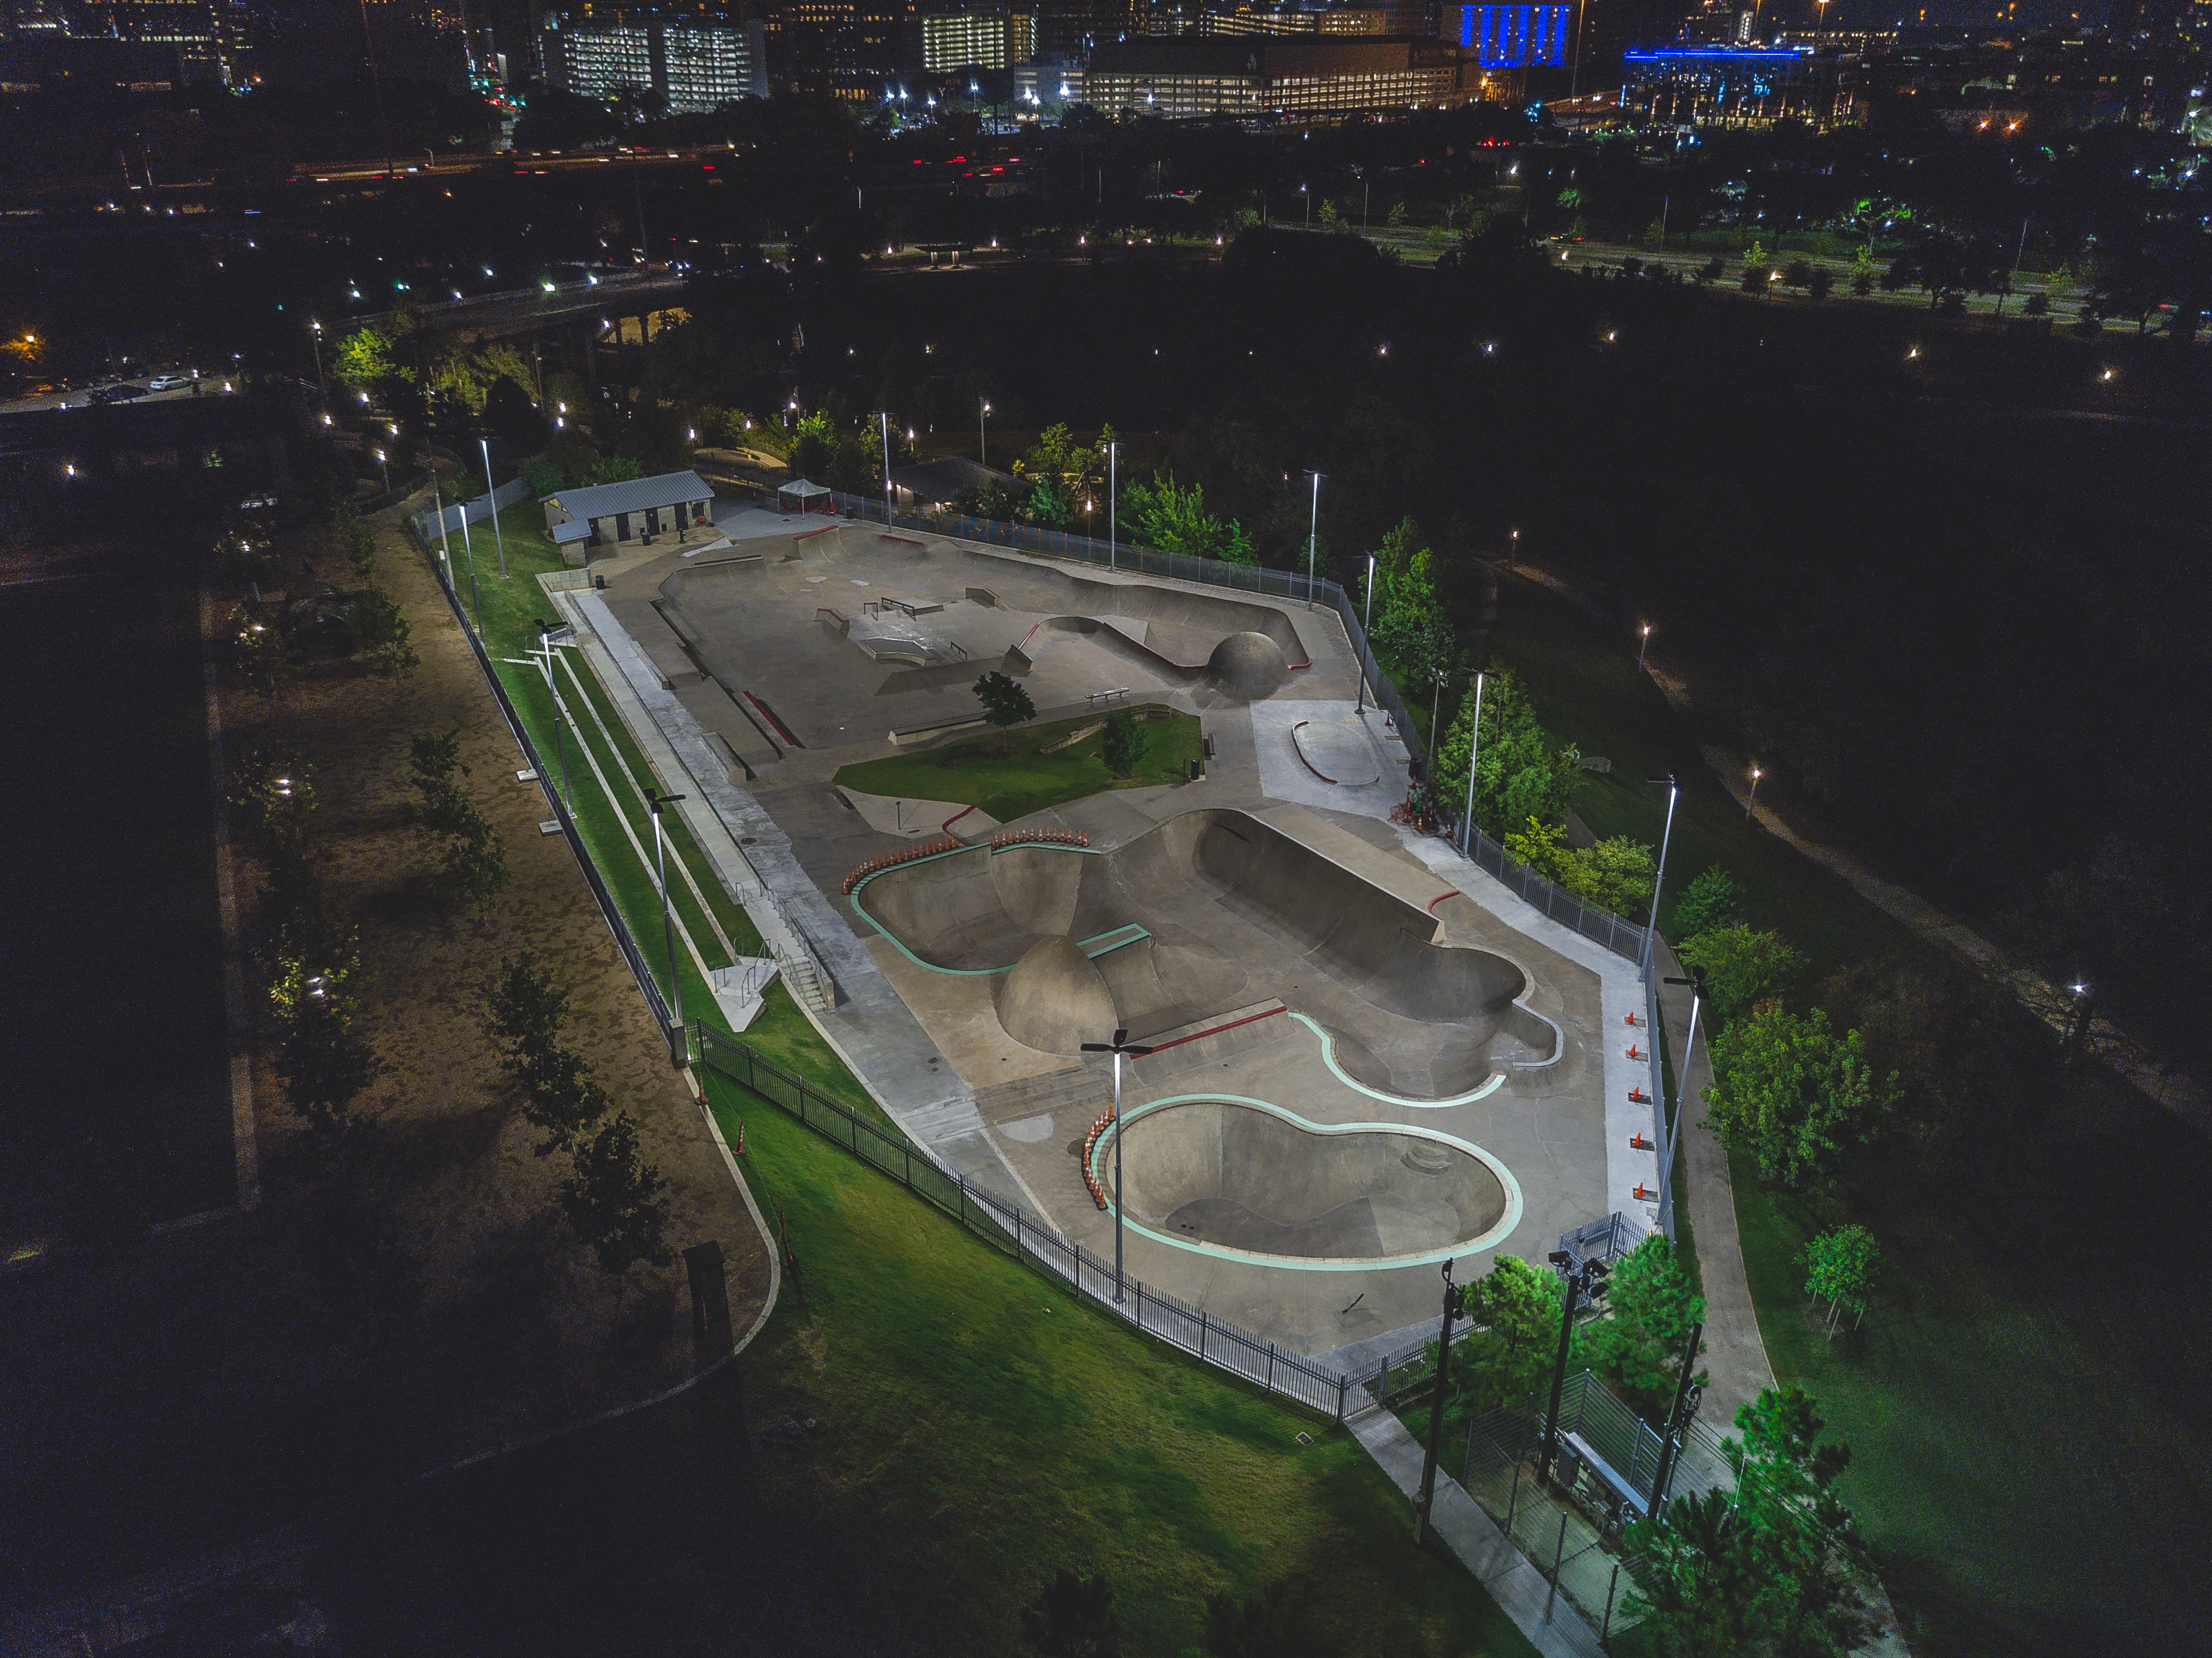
[{"x": 602, "y": 514}]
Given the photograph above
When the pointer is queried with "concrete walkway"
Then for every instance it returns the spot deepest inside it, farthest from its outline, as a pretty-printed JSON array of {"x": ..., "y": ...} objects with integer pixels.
[{"x": 1553, "y": 1626}]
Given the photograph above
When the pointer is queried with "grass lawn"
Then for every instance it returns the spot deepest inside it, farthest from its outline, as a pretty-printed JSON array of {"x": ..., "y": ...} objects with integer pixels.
[
  {"x": 2030, "y": 1451},
  {"x": 1007, "y": 773},
  {"x": 979, "y": 1426},
  {"x": 993, "y": 1427}
]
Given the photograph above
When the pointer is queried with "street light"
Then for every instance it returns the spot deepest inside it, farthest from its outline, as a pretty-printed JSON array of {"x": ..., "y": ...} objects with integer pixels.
[
  {"x": 654, "y": 800},
  {"x": 1750, "y": 800},
  {"x": 545, "y": 632},
  {"x": 1113, "y": 491},
  {"x": 1313, "y": 536},
  {"x": 498, "y": 534},
  {"x": 982, "y": 432},
  {"x": 1120, "y": 1046},
  {"x": 1513, "y": 549},
  {"x": 1474, "y": 747},
  {"x": 2085, "y": 1004},
  {"x": 886, "y": 420},
  {"x": 1366, "y": 627},
  {"x": 385, "y": 470},
  {"x": 1658, "y": 881},
  {"x": 1643, "y": 644},
  {"x": 316, "y": 328}
]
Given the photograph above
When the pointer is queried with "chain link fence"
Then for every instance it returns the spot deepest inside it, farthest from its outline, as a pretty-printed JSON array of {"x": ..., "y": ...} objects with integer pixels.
[{"x": 1027, "y": 1238}]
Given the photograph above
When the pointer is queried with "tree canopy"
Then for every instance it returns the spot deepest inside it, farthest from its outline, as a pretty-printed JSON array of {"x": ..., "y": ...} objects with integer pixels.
[
  {"x": 1791, "y": 1093},
  {"x": 1520, "y": 773}
]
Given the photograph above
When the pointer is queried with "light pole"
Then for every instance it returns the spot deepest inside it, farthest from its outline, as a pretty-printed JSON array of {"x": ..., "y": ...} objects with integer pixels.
[
  {"x": 2085, "y": 1007},
  {"x": 1587, "y": 1281},
  {"x": 469, "y": 550},
  {"x": 386, "y": 469},
  {"x": 1474, "y": 747},
  {"x": 499, "y": 534},
  {"x": 1751, "y": 801},
  {"x": 545, "y": 632},
  {"x": 885, "y": 418},
  {"x": 1113, "y": 496},
  {"x": 982, "y": 432},
  {"x": 1120, "y": 1046},
  {"x": 315, "y": 332},
  {"x": 445, "y": 541},
  {"x": 1643, "y": 644},
  {"x": 655, "y": 801},
  {"x": 1513, "y": 551},
  {"x": 1651, "y": 927},
  {"x": 1313, "y": 536},
  {"x": 1670, "y": 1131},
  {"x": 1366, "y": 627},
  {"x": 1436, "y": 1396},
  {"x": 1442, "y": 677}
]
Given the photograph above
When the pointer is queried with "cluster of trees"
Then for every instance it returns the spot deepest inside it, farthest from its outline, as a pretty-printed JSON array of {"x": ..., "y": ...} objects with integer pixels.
[{"x": 615, "y": 1200}]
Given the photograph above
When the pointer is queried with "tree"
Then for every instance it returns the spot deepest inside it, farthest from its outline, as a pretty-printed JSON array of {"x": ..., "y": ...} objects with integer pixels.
[
  {"x": 610, "y": 468},
  {"x": 1712, "y": 270},
  {"x": 1412, "y": 630},
  {"x": 1046, "y": 506},
  {"x": 472, "y": 863},
  {"x": 1519, "y": 773},
  {"x": 1124, "y": 748},
  {"x": 1073, "y": 1617},
  {"x": 813, "y": 446},
  {"x": 1773, "y": 1571},
  {"x": 1515, "y": 1309},
  {"x": 1798, "y": 273},
  {"x": 1743, "y": 966},
  {"x": 368, "y": 355},
  {"x": 1790, "y": 1093},
  {"x": 1821, "y": 282},
  {"x": 616, "y": 1201},
  {"x": 355, "y": 542},
  {"x": 1650, "y": 1312},
  {"x": 1711, "y": 900},
  {"x": 1617, "y": 874},
  {"x": 1173, "y": 519},
  {"x": 1076, "y": 471},
  {"x": 543, "y": 474},
  {"x": 1539, "y": 845},
  {"x": 1840, "y": 1265},
  {"x": 524, "y": 1012},
  {"x": 1756, "y": 279},
  {"x": 380, "y": 633},
  {"x": 1004, "y": 702}
]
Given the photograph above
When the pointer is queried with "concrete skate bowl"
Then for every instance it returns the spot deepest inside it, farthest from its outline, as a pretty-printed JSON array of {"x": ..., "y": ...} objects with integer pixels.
[
  {"x": 1380, "y": 947},
  {"x": 1239, "y": 1178}
]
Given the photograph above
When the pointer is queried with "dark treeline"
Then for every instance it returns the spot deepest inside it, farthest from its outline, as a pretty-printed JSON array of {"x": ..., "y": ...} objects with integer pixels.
[{"x": 1950, "y": 608}]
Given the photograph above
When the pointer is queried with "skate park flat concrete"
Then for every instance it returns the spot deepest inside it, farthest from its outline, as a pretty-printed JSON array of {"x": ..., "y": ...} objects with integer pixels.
[
  {"x": 912, "y": 818},
  {"x": 1350, "y": 1040},
  {"x": 1338, "y": 751}
]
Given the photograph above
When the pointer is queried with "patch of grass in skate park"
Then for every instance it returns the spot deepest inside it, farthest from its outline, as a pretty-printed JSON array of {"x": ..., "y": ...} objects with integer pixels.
[
  {"x": 1008, "y": 775},
  {"x": 987, "y": 1427},
  {"x": 2029, "y": 1448}
]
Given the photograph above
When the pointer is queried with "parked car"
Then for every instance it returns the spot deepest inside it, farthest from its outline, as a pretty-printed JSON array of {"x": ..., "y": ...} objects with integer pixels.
[
  {"x": 123, "y": 394},
  {"x": 167, "y": 382}
]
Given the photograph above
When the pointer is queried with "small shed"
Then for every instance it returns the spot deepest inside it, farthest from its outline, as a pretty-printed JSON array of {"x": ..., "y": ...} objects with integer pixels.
[
  {"x": 802, "y": 495},
  {"x": 635, "y": 510}
]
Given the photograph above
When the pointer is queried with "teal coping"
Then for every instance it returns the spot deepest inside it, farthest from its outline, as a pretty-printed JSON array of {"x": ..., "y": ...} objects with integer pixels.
[
  {"x": 1329, "y": 1059},
  {"x": 1495, "y": 1235},
  {"x": 898, "y": 943}
]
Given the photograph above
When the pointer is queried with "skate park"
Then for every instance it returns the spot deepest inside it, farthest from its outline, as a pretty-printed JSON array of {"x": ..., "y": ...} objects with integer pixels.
[{"x": 1369, "y": 1057}]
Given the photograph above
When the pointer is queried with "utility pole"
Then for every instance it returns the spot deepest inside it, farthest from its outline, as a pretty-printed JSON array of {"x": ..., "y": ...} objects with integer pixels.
[
  {"x": 1651, "y": 927},
  {"x": 1436, "y": 1411},
  {"x": 885, "y": 416},
  {"x": 1678, "y": 1421},
  {"x": 1587, "y": 1281},
  {"x": 1474, "y": 748}
]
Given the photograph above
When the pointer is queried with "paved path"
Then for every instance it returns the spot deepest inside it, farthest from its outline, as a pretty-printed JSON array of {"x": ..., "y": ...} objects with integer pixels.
[{"x": 1553, "y": 1626}]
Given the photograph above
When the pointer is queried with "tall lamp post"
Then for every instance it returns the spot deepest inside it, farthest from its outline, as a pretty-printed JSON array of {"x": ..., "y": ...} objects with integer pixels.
[
  {"x": 468, "y": 551},
  {"x": 655, "y": 800},
  {"x": 545, "y": 632},
  {"x": 982, "y": 432},
  {"x": 1474, "y": 747},
  {"x": 315, "y": 333},
  {"x": 1113, "y": 494},
  {"x": 886, "y": 419},
  {"x": 1587, "y": 1281},
  {"x": 1120, "y": 1046},
  {"x": 1313, "y": 536},
  {"x": 386, "y": 469},
  {"x": 1366, "y": 627},
  {"x": 1643, "y": 644},
  {"x": 498, "y": 533},
  {"x": 1651, "y": 927},
  {"x": 1751, "y": 801}
]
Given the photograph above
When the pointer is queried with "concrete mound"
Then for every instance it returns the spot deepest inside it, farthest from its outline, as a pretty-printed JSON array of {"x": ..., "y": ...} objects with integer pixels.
[
  {"x": 1239, "y": 1177},
  {"x": 1248, "y": 666},
  {"x": 1054, "y": 999}
]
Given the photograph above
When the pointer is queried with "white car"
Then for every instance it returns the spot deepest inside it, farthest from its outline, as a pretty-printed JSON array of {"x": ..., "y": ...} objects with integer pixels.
[{"x": 167, "y": 382}]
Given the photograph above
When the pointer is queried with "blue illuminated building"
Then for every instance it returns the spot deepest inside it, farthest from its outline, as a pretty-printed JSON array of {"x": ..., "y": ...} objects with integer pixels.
[{"x": 1510, "y": 37}]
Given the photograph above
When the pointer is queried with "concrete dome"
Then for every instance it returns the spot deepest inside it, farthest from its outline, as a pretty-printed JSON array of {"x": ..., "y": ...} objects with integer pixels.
[
  {"x": 1054, "y": 999},
  {"x": 1248, "y": 666}
]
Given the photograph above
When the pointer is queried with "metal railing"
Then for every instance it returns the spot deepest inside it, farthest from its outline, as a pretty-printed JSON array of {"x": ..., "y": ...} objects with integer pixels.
[
  {"x": 654, "y": 999},
  {"x": 1623, "y": 937},
  {"x": 1026, "y": 1238}
]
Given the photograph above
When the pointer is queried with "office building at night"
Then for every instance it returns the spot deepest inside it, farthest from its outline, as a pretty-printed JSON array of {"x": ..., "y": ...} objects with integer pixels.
[{"x": 1259, "y": 78}]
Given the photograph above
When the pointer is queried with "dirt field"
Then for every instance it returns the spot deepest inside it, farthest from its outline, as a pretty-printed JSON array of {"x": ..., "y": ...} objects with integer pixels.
[{"x": 179, "y": 1395}]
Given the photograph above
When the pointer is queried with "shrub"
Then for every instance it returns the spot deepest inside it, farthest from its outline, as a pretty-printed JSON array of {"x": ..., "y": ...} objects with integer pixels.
[
  {"x": 1790, "y": 1093},
  {"x": 1124, "y": 748},
  {"x": 1742, "y": 966},
  {"x": 1711, "y": 900},
  {"x": 1004, "y": 702},
  {"x": 1617, "y": 874}
]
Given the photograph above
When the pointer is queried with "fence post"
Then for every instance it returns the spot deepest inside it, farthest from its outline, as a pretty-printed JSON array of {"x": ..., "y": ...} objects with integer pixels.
[
  {"x": 963, "y": 1185},
  {"x": 1017, "y": 1235},
  {"x": 1270, "y": 1383},
  {"x": 909, "y": 1165},
  {"x": 1201, "y": 1333},
  {"x": 1343, "y": 1386},
  {"x": 1513, "y": 1497},
  {"x": 1558, "y": 1553}
]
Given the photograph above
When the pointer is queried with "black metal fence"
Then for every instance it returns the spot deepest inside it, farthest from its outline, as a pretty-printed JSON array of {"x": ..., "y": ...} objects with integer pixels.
[
  {"x": 1027, "y": 1238},
  {"x": 608, "y": 910}
]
